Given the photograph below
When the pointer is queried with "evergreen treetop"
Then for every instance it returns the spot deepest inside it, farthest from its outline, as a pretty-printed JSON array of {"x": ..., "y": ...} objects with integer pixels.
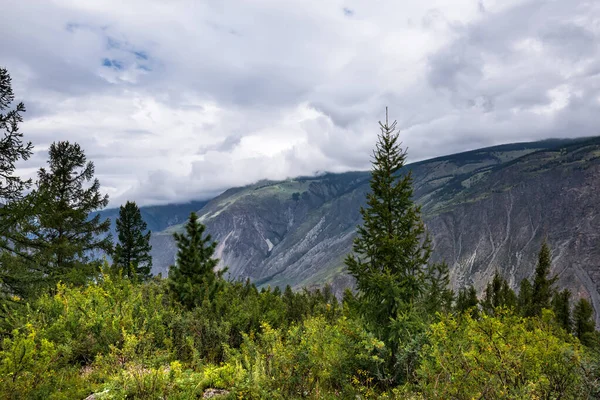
[
  {"x": 391, "y": 248},
  {"x": 543, "y": 284},
  {"x": 192, "y": 279},
  {"x": 498, "y": 294},
  {"x": 12, "y": 146},
  {"x": 132, "y": 252}
]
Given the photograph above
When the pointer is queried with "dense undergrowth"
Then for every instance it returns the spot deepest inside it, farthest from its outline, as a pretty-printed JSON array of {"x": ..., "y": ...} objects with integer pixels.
[{"x": 126, "y": 340}]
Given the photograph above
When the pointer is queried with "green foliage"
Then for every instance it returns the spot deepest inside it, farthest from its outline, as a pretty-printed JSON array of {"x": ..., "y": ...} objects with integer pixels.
[
  {"x": 63, "y": 234},
  {"x": 309, "y": 360},
  {"x": 498, "y": 294},
  {"x": 192, "y": 279},
  {"x": 391, "y": 251},
  {"x": 467, "y": 301},
  {"x": 132, "y": 253},
  {"x": 502, "y": 356},
  {"x": 561, "y": 305},
  {"x": 542, "y": 288},
  {"x": 12, "y": 147},
  {"x": 525, "y": 298},
  {"x": 583, "y": 322}
]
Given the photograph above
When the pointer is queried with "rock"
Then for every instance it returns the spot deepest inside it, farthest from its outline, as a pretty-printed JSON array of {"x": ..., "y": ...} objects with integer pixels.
[{"x": 210, "y": 393}]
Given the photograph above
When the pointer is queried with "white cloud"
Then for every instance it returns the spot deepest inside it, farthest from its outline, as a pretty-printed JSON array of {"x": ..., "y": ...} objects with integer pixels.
[{"x": 183, "y": 99}]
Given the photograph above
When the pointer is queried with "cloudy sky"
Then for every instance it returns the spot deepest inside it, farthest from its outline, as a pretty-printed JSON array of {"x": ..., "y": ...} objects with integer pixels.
[{"x": 177, "y": 100}]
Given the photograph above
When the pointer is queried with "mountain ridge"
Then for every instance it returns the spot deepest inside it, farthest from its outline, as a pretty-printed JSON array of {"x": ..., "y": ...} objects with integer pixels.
[{"x": 486, "y": 209}]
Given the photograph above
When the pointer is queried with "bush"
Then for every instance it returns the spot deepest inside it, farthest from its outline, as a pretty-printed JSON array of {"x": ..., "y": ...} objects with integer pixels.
[{"x": 502, "y": 356}]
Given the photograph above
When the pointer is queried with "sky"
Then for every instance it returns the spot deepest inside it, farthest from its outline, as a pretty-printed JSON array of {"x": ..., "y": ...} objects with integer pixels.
[{"x": 178, "y": 100}]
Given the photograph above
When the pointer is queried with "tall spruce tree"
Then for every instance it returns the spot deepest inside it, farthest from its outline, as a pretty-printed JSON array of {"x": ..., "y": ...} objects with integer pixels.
[
  {"x": 132, "y": 252},
  {"x": 543, "y": 284},
  {"x": 193, "y": 280},
  {"x": 65, "y": 237},
  {"x": 391, "y": 250}
]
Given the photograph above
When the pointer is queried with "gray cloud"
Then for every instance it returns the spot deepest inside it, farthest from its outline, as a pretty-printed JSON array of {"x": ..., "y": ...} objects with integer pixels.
[{"x": 181, "y": 100}]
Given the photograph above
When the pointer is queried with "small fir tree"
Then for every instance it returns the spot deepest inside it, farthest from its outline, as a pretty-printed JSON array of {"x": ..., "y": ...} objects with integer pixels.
[
  {"x": 562, "y": 309},
  {"x": 543, "y": 284},
  {"x": 132, "y": 253},
  {"x": 437, "y": 297},
  {"x": 498, "y": 293},
  {"x": 467, "y": 301},
  {"x": 192, "y": 279},
  {"x": 525, "y": 298},
  {"x": 583, "y": 321}
]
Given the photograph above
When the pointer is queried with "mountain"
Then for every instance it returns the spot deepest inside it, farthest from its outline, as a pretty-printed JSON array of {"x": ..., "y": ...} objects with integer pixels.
[
  {"x": 486, "y": 210},
  {"x": 158, "y": 218}
]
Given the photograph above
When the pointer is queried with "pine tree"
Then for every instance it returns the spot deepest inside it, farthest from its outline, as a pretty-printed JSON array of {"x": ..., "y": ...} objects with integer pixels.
[
  {"x": 132, "y": 253},
  {"x": 525, "y": 298},
  {"x": 467, "y": 301},
  {"x": 437, "y": 296},
  {"x": 391, "y": 250},
  {"x": 65, "y": 237},
  {"x": 12, "y": 147},
  {"x": 583, "y": 321},
  {"x": 542, "y": 288},
  {"x": 562, "y": 309},
  {"x": 15, "y": 276},
  {"x": 498, "y": 293},
  {"x": 192, "y": 280}
]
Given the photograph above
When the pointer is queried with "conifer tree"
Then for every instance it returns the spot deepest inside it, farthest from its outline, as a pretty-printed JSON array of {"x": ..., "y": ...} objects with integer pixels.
[
  {"x": 391, "y": 250},
  {"x": 192, "y": 279},
  {"x": 562, "y": 309},
  {"x": 15, "y": 277},
  {"x": 498, "y": 293},
  {"x": 467, "y": 301},
  {"x": 12, "y": 146},
  {"x": 583, "y": 322},
  {"x": 525, "y": 298},
  {"x": 65, "y": 237},
  {"x": 438, "y": 297},
  {"x": 132, "y": 252},
  {"x": 542, "y": 288}
]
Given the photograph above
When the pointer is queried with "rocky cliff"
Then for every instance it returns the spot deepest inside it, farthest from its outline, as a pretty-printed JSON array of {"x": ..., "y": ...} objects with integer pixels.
[{"x": 486, "y": 210}]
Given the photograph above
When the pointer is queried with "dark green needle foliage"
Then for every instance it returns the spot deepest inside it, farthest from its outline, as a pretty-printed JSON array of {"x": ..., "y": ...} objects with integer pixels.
[
  {"x": 67, "y": 240},
  {"x": 498, "y": 294},
  {"x": 132, "y": 252},
  {"x": 525, "y": 298},
  {"x": 15, "y": 279},
  {"x": 543, "y": 284},
  {"x": 583, "y": 322},
  {"x": 12, "y": 146},
  {"x": 561, "y": 305},
  {"x": 467, "y": 301},
  {"x": 192, "y": 279},
  {"x": 391, "y": 249}
]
